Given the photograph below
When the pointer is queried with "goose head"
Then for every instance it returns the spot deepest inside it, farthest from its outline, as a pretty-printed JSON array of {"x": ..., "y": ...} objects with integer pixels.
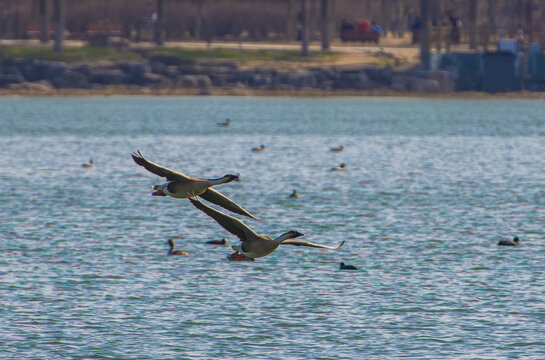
[
  {"x": 292, "y": 234},
  {"x": 161, "y": 190}
]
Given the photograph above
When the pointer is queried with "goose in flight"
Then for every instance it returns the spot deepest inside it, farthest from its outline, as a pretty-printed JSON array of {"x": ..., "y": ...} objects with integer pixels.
[
  {"x": 182, "y": 186},
  {"x": 252, "y": 244}
]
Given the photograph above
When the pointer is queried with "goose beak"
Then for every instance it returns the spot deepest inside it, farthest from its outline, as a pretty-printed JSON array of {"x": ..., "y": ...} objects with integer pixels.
[
  {"x": 158, "y": 193},
  {"x": 297, "y": 234}
]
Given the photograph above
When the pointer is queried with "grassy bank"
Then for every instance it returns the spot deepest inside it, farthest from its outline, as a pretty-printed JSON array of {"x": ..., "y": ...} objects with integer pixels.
[{"x": 94, "y": 53}]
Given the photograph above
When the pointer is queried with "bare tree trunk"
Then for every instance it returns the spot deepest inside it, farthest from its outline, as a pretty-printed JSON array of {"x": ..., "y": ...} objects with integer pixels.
[
  {"x": 530, "y": 20},
  {"x": 305, "y": 30},
  {"x": 289, "y": 20},
  {"x": 473, "y": 24},
  {"x": 44, "y": 21},
  {"x": 158, "y": 27},
  {"x": 198, "y": 21},
  {"x": 325, "y": 24},
  {"x": 58, "y": 8},
  {"x": 491, "y": 14},
  {"x": 425, "y": 34}
]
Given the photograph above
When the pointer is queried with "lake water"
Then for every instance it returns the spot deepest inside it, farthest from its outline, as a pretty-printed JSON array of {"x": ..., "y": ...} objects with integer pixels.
[{"x": 431, "y": 186}]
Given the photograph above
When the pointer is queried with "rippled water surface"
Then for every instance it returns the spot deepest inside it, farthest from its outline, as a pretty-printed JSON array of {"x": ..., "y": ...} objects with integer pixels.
[{"x": 430, "y": 188}]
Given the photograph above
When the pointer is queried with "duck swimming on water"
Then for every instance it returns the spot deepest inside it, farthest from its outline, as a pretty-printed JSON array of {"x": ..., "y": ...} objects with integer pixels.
[
  {"x": 514, "y": 242},
  {"x": 347, "y": 267},
  {"x": 259, "y": 148},
  {"x": 226, "y": 123},
  {"x": 171, "y": 251},
  {"x": 90, "y": 164},
  {"x": 341, "y": 167},
  {"x": 217, "y": 242},
  {"x": 252, "y": 244}
]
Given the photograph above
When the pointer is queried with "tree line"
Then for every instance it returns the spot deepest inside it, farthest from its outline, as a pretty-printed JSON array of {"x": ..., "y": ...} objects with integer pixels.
[{"x": 254, "y": 20}]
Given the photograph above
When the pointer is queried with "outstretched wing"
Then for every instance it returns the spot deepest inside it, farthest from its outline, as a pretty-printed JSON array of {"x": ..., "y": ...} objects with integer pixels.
[
  {"x": 159, "y": 170},
  {"x": 229, "y": 223},
  {"x": 218, "y": 198},
  {"x": 307, "y": 243}
]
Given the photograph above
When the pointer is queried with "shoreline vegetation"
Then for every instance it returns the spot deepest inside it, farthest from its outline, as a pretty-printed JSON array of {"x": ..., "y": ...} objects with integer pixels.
[{"x": 101, "y": 71}]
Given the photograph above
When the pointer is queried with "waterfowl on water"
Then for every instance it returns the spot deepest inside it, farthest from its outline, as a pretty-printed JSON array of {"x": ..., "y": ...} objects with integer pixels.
[
  {"x": 337, "y": 149},
  {"x": 90, "y": 164},
  {"x": 171, "y": 251},
  {"x": 514, "y": 242},
  {"x": 217, "y": 242},
  {"x": 226, "y": 123},
  {"x": 259, "y": 148},
  {"x": 341, "y": 167},
  {"x": 294, "y": 194},
  {"x": 182, "y": 186},
  {"x": 347, "y": 267},
  {"x": 252, "y": 244}
]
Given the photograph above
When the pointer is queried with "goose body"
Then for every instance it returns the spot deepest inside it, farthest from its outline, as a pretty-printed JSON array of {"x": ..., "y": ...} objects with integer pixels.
[
  {"x": 182, "y": 186},
  {"x": 252, "y": 244},
  {"x": 337, "y": 149},
  {"x": 514, "y": 242},
  {"x": 171, "y": 251},
  {"x": 90, "y": 164},
  {"x": 258, "y": 148}
]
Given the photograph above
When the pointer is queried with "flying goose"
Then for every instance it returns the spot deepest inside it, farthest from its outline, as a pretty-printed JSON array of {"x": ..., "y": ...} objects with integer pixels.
[
  {"x": 171, "y": 251},
  {"x": 254, "y": 245},
  {"x": 88, "y": 165},
  {"x": 226, "y": 123},
  {"x": 182, "y": 186},
  {"x": 514, "y": 242}
]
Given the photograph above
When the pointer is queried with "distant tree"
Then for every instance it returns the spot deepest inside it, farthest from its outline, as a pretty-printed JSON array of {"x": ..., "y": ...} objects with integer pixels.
[
  {"x": 305, "y": 29},
  {"x": 158, "y": 31},
  {"x": 58, "y": 13},
  {"x": 325, "y": 9},
  {"x": 472, "y": 15},
  {"x": 44, "y": 21}
]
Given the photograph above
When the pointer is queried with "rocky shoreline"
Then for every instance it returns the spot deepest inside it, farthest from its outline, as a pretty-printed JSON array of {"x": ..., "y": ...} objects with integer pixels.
[{"x": 172, "y": 76}]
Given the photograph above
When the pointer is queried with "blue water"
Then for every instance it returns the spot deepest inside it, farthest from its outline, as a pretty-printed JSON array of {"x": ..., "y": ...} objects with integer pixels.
[{"x": 431, "y": 186}]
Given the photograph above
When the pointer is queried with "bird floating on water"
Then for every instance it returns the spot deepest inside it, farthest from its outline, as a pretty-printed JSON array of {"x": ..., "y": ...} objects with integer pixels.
[
  {"x": 514, "y": 242},
  {"x": 90, "y": 164},
  {"x": 252, "y": 244},
  {"x": 217, "y": 242},
  {"x": 337, "y": 149},
  {"x": 341, "y": 167},
  {"x": 182, "y": 186},
  {"x": 294, "y": 194},
  {"x": 259, "y": 148},
  {"x": 347, "y": 267},
  {"x": 226, "y": 123},
  {"x": 171, "y": 251}
]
